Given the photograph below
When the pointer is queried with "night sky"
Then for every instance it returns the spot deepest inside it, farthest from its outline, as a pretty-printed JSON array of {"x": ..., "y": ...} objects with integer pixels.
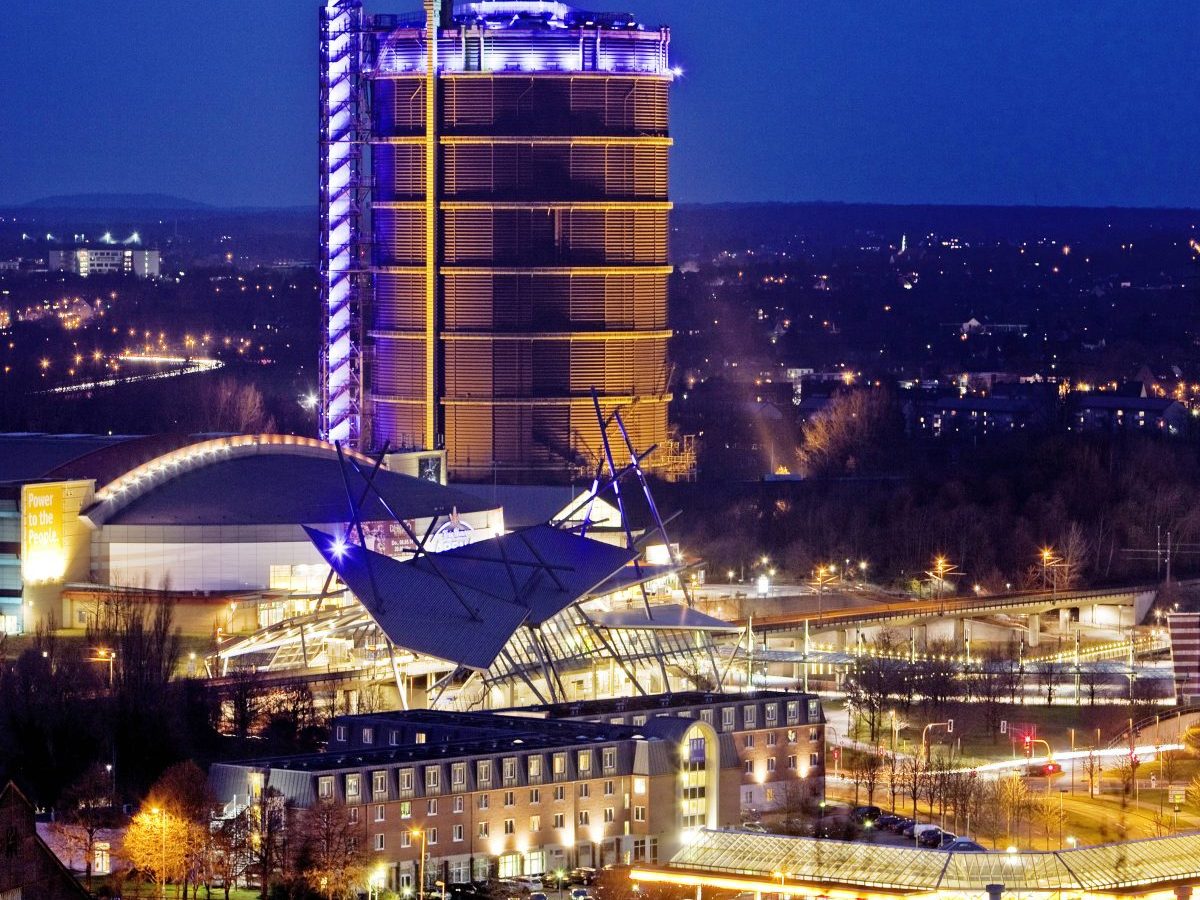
[{"x": 1071, "y": 102}]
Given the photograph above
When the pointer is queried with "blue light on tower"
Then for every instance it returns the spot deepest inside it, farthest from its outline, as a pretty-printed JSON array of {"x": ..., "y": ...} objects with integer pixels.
[{"x": 341, "y": 28}]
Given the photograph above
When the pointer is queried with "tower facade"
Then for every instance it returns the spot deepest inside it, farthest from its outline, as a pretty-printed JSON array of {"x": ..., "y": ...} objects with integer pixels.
[{"x": 512, "y": 253}]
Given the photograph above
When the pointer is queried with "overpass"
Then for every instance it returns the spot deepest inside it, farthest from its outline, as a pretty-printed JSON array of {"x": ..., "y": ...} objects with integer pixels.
[{"x": 1100, "y": 608}]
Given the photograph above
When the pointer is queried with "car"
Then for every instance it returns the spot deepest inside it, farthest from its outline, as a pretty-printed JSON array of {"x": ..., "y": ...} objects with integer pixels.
[
  {"x": 1043, "y": 770},
  {"x": 756, "y": 827},
  {"x": 579, "y": 893},
  {"x": 901, "y": 823},
  {"x": 537, "y": 895},
  {"x": 965, "y": 845},
  {"x": 582, "y": 875},
  {"x": 917, "y": 829},
  {"x": 864, "y": 814},
  {"x": 886, "y": 821},
  {"x": 934, "y": 837},
  {"x": 947, "y": 840}
]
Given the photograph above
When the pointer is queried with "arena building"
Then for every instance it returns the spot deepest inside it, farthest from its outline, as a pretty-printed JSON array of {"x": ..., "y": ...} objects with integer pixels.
[{"x": 215, "y": 523}]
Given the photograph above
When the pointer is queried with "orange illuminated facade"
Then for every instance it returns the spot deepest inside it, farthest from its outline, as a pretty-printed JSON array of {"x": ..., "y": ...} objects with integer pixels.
[{"x": 519, "y": 224}]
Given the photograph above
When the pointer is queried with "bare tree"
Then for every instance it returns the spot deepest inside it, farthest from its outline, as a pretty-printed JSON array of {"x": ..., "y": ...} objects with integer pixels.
[
  {"x": 1093, "y": 765},
  {"x": 87, "y": 809},
  {"x": 331, "y": 846},
  {"x": 854, "y": 433}
]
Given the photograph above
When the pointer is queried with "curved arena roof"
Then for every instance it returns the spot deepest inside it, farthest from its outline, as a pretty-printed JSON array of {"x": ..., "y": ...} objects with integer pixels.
[{"x": 266, "y": 480}]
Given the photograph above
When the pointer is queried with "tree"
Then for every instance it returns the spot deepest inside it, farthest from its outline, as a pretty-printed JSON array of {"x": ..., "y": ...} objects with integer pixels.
[
  {"x": 792, "y": 804},
  {"x": 856, "y": 432},
  {"x": 228, "y": 405},
  {"x": 1093, "y": 765},
  {"x": 331, "y": 847},
  {"x": 182, "y": 791},
  {"x": 87, "y": 809},
  {"x": 1192, "y": 794},
  {"x": 1126, "y": 769},
  {"x": 892, "y": 776},
  {"x": 1048, "y": 675},
  {"x": 156, "y": 845},
  {"x": 1048, "y": 813},
  {"x": 989, "y": 689},
  {"x": 232, "y": 854},
  {"x": 912, "y": 777},
  {"x": 1013, "y": 798}
]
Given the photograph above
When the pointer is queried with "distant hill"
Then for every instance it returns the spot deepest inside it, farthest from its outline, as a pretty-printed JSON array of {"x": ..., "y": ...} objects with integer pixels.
[{"x": 116, "y": 201}]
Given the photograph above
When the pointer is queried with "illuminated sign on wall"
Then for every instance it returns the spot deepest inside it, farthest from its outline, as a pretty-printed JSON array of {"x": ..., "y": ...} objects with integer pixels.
[{"x": 43, "y": 543}]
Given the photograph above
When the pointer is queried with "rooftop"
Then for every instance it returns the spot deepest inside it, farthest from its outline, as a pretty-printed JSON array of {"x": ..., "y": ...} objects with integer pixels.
[{"x": 746, "y": 857}]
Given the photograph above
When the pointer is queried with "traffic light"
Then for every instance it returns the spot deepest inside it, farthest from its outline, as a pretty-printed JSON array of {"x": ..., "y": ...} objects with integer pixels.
[{"x": 1028, "y": 746}]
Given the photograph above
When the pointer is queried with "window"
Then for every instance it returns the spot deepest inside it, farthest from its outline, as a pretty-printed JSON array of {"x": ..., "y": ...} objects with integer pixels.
[
  {"x": 325, "y": 787},
  {"x": 405, "y": 839},
  {"x": 585, "y": 790},
  {"x": 814, "y": 759},
  {"x": 483, "y": 773},
  {"x": 559, "y": 820},
  {"x": 535, "y": 795},
  {"x": 791, "y": 735},
  {"x": 484, "y": 801},
  {"x": 406, "y": 781},
  {"x": 750, "y": 716},
  {"x": 560, "y": 765},
  {"x": 379, "y": 842},
  {"x": 560, "y": 792},
  {"x": 431, "y": 808},
  {"x": 380, "y": 812},
  {"x": 583, "y": 761},
  {"x": 340, "y": 733},
  {"x": 535, "y": 823},
  {"x": 727, "y": 718},
  {"x": 793, "y": 712},
  {"x": 610, "y": 814},
  {"x": 368, "y": 735},
  {"x": 406, "y": 809},
  {"x": 748, "y": 766},
  {"x": 639, "y": 721},
  {"x": 609, "y": 758},
  {"x": 770, "y": 764},
  {"x": 771, "y": 713},
  {"x": 585, "y": 817},
  {"x": 748, "y": 742},
  {"x": 772, "y": 739},
  {"x": 379, "y": 782},
  {"x": 484, "y": 829},
  {"x": 394, "y": 737},
  {"x": 639, "y": 785},
  {"x": 433, "y": 778},
  {"x": 458, "y": 774},
  {"x": 353, "y": 787},
  {"x": 639, "y": 814},
  {"x": 706, "y": 715},
  {"x": 510, "y": 770},
  {"x": 770, "y": 794},
  {"x": 457, "y": 834},
  {"x": 535, "y": 768},
  {"x": 814, "y": 735},
  {"x": 791, "y": 762},
  {"x": 458, "y": 803},
  {"x": 609, "y": 788},
  {"x": 814, "y": 710},
  {"x": 510, "y": 826},
  {"x": 430, "y": 835},
  {"x": 749, "y": 798},
  {"x": 510, "y": 798},
  {"x": 352, "y": 815}
]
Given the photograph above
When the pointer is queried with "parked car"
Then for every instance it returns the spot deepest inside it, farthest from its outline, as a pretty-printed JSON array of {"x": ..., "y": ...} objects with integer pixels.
[
  {"x": 887, "y": 821},
  {"x": 528, "y": 884},
  {"x": 965, "y": 845},
  {"x": 916, "y": 829},
  {"x": 901, "y": 823},
  {"x": 933, "y": 836},
  {"x": 582, "y": 875},
  {"x": 579, "y": 893},
  {"x": 756, "y": 827},
  {"x": 864, "y": 814}
]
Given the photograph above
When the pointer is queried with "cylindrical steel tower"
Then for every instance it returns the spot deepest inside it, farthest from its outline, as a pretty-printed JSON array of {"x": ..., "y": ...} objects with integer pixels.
[{"x": 518, "y": 218}]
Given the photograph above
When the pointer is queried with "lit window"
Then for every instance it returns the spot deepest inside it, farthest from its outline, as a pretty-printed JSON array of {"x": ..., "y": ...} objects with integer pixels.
[
  {"x": 380, "y": 812},
  {"x": 325, "y": 787},
  {"x": 379, "y": 842}
]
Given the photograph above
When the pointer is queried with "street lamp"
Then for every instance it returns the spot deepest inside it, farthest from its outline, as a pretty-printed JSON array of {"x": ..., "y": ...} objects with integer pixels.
[
  {"x": 162, "y": 852},
  {"x": 420, "y": 833}
]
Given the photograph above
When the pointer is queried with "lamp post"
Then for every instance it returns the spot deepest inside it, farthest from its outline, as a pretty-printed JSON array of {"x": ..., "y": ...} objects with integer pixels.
[
  {"x": 162, "y": 851},
  {"x": 420, "y": 833}
]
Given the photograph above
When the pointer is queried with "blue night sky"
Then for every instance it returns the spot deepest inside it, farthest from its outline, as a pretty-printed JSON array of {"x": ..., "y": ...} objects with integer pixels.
[{"x": 1076, "y": 102}]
